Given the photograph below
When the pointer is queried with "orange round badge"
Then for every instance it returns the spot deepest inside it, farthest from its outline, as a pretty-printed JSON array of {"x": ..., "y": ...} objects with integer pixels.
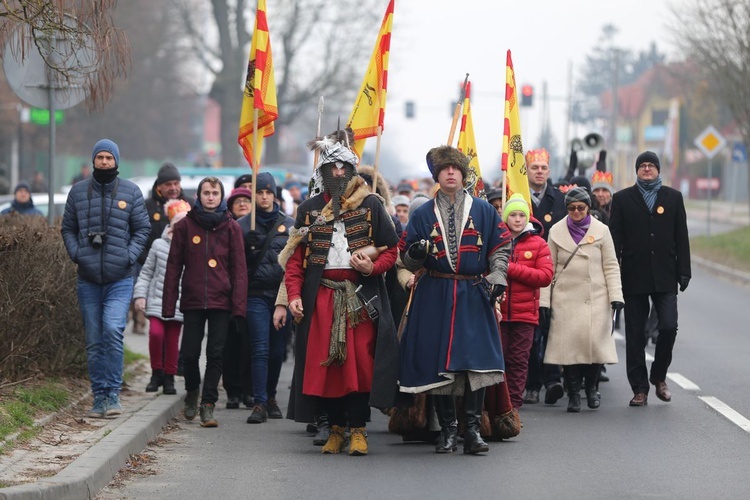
[
  {"x": 122, "y": 204},
  {"x": 211, "y": 262},
  {"x": 282, "y": 228},
  {"x": 590, "y": 239},
  {"x": 659, "y": 210},
  {"x": 157, "y": 216},
  {"x": 527, "y": 254},
  {"x": 196, "y": 239},
  {"x": 548, "y": 218}
]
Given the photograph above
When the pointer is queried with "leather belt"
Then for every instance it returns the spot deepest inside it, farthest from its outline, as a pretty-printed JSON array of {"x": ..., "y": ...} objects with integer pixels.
[{"x": 464, "y": 277}]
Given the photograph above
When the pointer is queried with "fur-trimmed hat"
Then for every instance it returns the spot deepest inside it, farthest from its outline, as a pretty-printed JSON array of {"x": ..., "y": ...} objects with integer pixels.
[
  {"x": 444, "y": 156},
  {"x": 650, "y": 157},
  {"x": 578, "y": 194}
]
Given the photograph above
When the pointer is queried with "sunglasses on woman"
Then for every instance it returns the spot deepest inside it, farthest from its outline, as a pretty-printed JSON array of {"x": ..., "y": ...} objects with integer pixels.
[{"x": 577, "y": 208}]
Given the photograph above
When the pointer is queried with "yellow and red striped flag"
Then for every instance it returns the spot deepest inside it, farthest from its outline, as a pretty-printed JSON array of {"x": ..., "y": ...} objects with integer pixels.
[
  {"x": 260, "y": 90},
  {"x": 468, "y": 146},
  {"x": 513, "y": 162},
  {"x": 369, "y": 107}
]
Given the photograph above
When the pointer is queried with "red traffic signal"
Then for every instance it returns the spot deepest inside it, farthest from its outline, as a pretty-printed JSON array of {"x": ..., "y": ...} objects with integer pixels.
[{"x": 527, "y": 95}]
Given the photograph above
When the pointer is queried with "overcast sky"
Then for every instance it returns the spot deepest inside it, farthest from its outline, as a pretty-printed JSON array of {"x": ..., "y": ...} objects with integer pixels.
[{"x": 436, "y": 42}]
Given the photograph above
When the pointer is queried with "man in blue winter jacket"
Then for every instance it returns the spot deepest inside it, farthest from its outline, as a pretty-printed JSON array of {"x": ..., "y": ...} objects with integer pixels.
[{"x": 105, "y": 227}]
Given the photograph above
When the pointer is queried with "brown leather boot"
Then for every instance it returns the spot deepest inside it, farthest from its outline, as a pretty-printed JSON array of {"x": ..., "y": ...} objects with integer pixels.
[
  {"x": 335, "y": 441},
  {"x": 358, "y": 441}
]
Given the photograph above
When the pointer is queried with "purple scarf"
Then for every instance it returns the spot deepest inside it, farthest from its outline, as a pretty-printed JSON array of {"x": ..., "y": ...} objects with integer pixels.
[{"x": 578, "y": 229}]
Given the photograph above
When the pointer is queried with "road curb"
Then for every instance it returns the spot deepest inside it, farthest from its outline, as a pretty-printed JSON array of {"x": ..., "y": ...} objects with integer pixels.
[
  {"x": 723, "y": 271},
  {"x": 96, "y": 467}
]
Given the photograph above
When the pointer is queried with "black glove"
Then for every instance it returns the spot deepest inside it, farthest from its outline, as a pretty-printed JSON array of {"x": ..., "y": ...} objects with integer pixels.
[
  {"x": 617, "y": 306},
  {"x": 418, "y": 250},
  {"x": 254, "y": 240},
  {"x": 497, "y": 292},
  {"x": 683, "y": 281},
  {"x": 545, "y": 316}
]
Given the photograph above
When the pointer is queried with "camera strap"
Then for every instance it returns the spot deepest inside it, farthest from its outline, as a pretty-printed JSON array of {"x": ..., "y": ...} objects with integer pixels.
[{"x": 90, "y": 192}]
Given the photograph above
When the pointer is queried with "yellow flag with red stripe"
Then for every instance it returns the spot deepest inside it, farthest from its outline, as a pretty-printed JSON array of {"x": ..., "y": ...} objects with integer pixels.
[
  {"x": 468, "y": 146},
  {"x": 260, "y": 90},
  {"x": 368, "y": 112},
  {"x": 513, "y": 162}
]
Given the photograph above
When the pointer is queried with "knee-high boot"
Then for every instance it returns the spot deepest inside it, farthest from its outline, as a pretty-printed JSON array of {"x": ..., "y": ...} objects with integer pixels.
[
  {"x": 445, "y": 407},
  {"x": 592, "y": 385},
  {"x": 573, "y": 378},
  {"x": 473, "y": 403}
]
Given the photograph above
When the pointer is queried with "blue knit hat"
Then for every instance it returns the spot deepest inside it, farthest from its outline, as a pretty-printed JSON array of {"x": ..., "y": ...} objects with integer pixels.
[
  {"x": 265, "y": 180},
  {"x": 109, "y": 147}
]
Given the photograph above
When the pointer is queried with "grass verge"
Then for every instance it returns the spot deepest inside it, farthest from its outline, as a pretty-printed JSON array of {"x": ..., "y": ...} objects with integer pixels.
[
  {"x": 731, "y": 249},
  {"x": 19, "y": 407}
]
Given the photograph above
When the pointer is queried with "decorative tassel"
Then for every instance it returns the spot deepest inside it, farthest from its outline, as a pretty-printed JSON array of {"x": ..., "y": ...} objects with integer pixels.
[
  {"x": 471, "y": 223},
  {"x": 479, "y": 239},
  {"x": 434, "y": 233}
]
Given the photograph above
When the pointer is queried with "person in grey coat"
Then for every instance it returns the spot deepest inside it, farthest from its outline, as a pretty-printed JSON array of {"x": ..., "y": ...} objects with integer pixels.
[
  {"x": 163, "y": 334},
  {"x": 105, "y": 227}
]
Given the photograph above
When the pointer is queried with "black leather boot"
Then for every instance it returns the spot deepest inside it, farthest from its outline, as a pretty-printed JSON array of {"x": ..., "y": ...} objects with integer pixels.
[
  {"x": 169, "y": 387},
  {"x": 157, "y": 380},
  {"x": 573, "y": 380},
  {"x": 321, "y": 437},
  {"x": 445, "y": 407},
  {"x": 473, "y": 403},
  {"x": 592, "y": 385}
]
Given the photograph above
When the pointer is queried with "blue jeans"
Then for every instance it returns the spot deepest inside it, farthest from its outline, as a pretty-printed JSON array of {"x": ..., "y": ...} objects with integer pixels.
[
  {"x": 259, "y": 325},
  {"x": 104, "y": 309},
  {"x": 277, "y": 350}
]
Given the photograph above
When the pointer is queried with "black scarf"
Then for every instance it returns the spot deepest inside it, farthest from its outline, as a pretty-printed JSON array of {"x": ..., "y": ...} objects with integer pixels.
[
  {"x": 105, "y": 176},
  {"x": 266, "y": 219},
  {"x": 209, "y": 220}
]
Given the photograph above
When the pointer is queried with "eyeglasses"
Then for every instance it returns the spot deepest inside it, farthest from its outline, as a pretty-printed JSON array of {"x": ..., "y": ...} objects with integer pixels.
[
  {"x": 646, "y": 166},
  {"x": 242, "y": 201},
  {"x": 577, "y": 208}
]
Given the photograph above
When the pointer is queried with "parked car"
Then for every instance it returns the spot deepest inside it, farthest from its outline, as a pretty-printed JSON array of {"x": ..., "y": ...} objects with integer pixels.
[{"x": 41, "y": 202}]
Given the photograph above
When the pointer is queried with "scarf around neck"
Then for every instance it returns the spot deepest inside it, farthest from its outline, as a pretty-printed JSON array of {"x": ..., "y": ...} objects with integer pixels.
[
  {"x": 649, "y": 190},
  {"x": 209, "y": 220},
  {"x": 578, "y": 229}
]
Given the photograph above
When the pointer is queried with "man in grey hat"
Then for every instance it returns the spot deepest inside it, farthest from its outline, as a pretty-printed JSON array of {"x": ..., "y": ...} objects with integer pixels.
[{"x": 649, "y": 229}]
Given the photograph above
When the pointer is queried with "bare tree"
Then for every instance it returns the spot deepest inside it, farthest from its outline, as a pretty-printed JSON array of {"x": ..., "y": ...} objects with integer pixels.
[
  {"x": 317, "y": 50},
  {"x": 715, "y": 35},
  {"x": 86, "y": 25}
]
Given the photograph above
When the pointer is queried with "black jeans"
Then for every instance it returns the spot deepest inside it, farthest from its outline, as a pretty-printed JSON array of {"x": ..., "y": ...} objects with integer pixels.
[
  {"x": 354, "y": 408},
  {"x": 236, "y": 371},
  {"x": 541, "y": 373},
  {"x": 636, "y": 314},
  {"x": 192, "y": 337}
]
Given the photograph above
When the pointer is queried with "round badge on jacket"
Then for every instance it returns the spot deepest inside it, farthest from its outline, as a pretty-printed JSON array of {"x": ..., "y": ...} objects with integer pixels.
[
  {"x": 282, "y": 228},
  {"x": 590, "y": 239},
  {"x": 527, "y": 254},
  {"x": 122, "y": 204},
  {"x": 211, "y": 262},
  {"x": 157, "y": 216},
  {"x": 659, "y": 210},
  {"x": 196, "y": 239},
  {"x": 547, "y": 218}
]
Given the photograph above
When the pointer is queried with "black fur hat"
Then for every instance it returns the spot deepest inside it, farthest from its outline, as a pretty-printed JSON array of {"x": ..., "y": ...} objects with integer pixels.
[{"x": 443, "y": 156}]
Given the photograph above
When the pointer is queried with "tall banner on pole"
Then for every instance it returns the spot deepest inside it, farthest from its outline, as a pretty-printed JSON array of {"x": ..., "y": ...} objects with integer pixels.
[
  {"x": 468, "y": 146},
  {"x": 513, "y": 162},
  {"x": 368, "y": 112},
  {"x": 259, "y": 93}
]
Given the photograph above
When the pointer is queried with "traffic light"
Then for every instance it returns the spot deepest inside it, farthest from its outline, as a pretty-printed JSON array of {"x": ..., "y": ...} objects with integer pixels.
[
  {"x": 527, "y": 95},
  {"x": 409, "y": 109}
]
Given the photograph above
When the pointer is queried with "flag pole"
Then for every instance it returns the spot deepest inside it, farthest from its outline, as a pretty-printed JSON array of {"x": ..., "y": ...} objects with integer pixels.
[
  {"x": 505, "y": 186},
  {"x": 457, "y": 112},
  {"x": 377, "y": 161},
  {"x": 256, "y": 161},
  {"x": 320, "y": 117}
]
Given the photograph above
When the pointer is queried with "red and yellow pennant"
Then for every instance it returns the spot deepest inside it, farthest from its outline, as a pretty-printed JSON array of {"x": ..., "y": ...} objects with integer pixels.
[
  {"x": 468, "y": 146},
  {"x": 369, "y": 107},
  {"x": 513, "y": 162},
  {"x": 260, "y": 91}
]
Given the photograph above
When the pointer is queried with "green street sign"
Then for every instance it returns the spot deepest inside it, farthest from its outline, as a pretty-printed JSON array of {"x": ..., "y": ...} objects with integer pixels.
[{"x": 39, "y": 116}]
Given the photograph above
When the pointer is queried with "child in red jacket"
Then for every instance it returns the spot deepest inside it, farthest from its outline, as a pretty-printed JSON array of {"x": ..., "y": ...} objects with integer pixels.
[{"x": 529, "y": 269}]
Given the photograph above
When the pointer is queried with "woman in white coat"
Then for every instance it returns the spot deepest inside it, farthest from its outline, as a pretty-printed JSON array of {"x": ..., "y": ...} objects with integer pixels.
[{"x": 580, "y": 301}]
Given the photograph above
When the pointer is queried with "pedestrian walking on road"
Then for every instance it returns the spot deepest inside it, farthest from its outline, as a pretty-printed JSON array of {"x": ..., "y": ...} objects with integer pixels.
[
  {"x": 580, "y": 302},
  {"x": 163, "y": 334},
  {"x": 450, "y": 344},
  {"x": 208, "y": 258},
  {"x": 105, "y": 228},
  {"x": 343, "y": 242},
  {"x": 649, "y": 228}
]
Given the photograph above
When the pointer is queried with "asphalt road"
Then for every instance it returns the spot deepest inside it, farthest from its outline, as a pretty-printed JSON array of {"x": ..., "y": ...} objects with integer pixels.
[{"x": 682, "y": 449}]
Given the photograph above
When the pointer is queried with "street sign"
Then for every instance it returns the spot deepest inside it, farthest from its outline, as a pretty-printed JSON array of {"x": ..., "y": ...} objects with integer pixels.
[
  {"x": 39, "y": 116},
  {"x": 707, "y": 183},
  {"x": 710, "y": 142},
  {"x": 739, "y": 152}
]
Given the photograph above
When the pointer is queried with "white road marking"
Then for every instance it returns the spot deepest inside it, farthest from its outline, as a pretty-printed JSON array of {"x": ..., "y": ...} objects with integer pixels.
[
  {"x": 683, "y": 382},
  {"x": 727, "y": 411}
]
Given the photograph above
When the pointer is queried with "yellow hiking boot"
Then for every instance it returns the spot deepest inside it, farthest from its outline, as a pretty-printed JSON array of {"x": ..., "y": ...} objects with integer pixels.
[
  {"x": 335, "y": 441},
  {"x": 357, "y": 442}
]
